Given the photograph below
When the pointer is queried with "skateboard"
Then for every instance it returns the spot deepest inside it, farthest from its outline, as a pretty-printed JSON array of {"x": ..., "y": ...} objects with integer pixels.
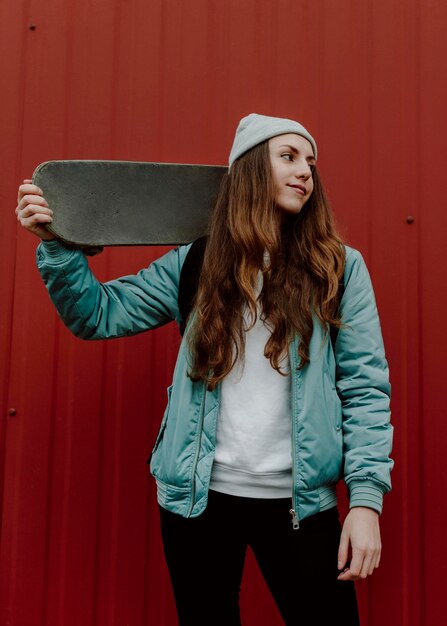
[{"x": 124, "y": 203}]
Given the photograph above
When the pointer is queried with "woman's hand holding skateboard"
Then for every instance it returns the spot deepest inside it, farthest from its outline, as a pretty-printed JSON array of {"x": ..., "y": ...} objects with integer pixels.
[{"x": 33, "y": 211}]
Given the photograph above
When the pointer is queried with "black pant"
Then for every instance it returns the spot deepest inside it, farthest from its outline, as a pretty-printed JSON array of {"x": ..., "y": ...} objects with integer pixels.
[{"x": 205, "y": 557}]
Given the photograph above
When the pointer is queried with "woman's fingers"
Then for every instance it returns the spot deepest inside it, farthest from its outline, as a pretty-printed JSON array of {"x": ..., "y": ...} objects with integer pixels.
[
  {"x": 28, "y": 188},
  {"x": 363, "y": 564},
  {"x": 35, "y": 218},
  {"x": 372, "y": 566},
  {"x": 29, "y": 195},
  {"x": 343, "y": 550},
  {"x": 33, "y": 212},
  {"x": 31, "y": 200},
  {"x": 33, "y": 209},
  {"x": 368, "y": 564}
]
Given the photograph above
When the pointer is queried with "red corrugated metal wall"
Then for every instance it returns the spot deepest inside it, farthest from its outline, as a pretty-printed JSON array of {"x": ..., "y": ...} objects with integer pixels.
[{"x": 167, "y": 80}]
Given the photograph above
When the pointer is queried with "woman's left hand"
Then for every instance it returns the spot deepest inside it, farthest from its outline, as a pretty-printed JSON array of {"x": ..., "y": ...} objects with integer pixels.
[{"x": 360, "y": 530}]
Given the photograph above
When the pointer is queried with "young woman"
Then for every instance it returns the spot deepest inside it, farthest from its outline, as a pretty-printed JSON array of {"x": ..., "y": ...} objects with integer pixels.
[{"x": 279, "y": 390}]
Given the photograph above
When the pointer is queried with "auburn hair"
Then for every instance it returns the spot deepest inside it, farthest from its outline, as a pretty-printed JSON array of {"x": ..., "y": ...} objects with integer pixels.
[{"x": 301, "y": 259}]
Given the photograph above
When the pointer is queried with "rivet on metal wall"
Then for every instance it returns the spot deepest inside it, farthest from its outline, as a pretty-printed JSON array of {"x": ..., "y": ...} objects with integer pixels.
[
  {"x": 410, "y": 219},
  {"x": 32, "y": 27},
  {"x": 12, "y": 412}
]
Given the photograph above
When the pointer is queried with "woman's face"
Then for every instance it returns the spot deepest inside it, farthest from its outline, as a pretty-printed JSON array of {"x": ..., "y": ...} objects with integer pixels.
[{"x": 292, "y": 160}]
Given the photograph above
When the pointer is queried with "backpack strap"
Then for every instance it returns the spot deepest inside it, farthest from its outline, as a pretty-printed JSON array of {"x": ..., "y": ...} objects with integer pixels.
[{"x": 189, "y": 279}]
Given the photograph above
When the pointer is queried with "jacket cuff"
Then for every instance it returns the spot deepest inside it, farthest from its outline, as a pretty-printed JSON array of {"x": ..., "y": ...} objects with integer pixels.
[
  {"x": 365, "y": 493},
  {"x": 53, "y": 250}
]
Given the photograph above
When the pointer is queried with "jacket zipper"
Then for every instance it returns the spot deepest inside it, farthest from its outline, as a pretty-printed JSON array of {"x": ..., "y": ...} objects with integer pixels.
[
  {"x": 197, "y": 452},
  {"x": 293, "y": 510}
]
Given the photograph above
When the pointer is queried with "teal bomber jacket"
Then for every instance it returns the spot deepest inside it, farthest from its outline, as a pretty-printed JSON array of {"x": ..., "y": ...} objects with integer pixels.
[{"x": 339, "y": 402}]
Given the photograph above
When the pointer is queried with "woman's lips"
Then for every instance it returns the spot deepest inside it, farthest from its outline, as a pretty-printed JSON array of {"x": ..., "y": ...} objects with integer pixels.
[{"x": 299, "y": 189}]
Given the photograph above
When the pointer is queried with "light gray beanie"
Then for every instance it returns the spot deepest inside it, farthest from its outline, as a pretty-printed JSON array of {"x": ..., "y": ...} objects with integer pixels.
[{"x": 255, "y": 128}]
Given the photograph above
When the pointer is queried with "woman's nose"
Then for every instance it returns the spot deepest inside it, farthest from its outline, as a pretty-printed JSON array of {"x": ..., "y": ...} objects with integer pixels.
[{"x": 303, "y": 170}]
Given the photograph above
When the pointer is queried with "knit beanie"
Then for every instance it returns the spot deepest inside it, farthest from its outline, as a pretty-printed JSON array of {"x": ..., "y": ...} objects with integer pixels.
[{"x": 255, "y": 128}]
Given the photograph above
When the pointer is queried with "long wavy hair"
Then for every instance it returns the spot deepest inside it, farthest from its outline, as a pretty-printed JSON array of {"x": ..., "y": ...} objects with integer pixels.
[{"x": 300, "y": 256}]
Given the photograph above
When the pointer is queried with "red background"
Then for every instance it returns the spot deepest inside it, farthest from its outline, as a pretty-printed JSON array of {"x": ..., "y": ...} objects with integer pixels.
[{"x": 167, "y": 81}]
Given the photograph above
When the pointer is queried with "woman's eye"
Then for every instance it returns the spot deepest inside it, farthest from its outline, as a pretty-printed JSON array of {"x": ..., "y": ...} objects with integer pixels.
[{"x": 287, "y": 156}]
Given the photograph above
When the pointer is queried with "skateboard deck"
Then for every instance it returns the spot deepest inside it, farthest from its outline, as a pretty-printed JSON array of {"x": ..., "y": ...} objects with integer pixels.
[{"x": 119, "y": 203}]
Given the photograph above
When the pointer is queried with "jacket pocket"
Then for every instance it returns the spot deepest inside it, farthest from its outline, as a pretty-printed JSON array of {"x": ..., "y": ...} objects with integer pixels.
[
  {"x": 163, "y": 424},
  {"x": 337, "y": 410},
  {"x": 333, "y": 403}
]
